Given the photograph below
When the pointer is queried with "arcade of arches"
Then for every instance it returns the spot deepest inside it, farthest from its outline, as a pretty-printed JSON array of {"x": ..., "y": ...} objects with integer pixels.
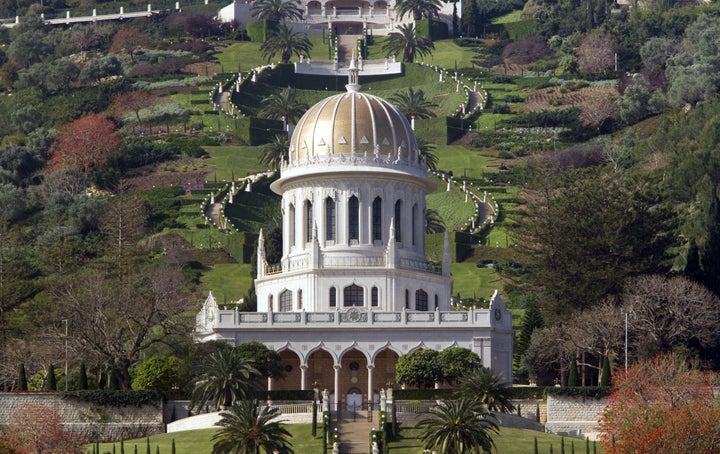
[{"x": 354, "y": 375}]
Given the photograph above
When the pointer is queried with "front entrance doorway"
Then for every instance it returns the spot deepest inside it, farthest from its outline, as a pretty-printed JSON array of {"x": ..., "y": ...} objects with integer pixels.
[{"x": 354, "y": 400}]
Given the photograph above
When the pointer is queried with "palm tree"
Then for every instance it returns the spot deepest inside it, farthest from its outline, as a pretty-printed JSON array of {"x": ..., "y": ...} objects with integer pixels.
[
  {"x": 283, "y": 106},
  {"x": 407, "y": 42},
  {"x": 425, "y": 151},
  {"x": 483, "y": 385},
  {"x": 418, "y": 8},
  {"x": 278, "y": 10},
  {"x": 461, "y": 426},
  {"x": 272, "y": 153},
  {"x": 433, "y": 222},
  {"x": 285, "y": 42},
  {"x": 413, "y": 104},
  {"x": 247, "y": 428},
  {"x": 222, "y": 379}
]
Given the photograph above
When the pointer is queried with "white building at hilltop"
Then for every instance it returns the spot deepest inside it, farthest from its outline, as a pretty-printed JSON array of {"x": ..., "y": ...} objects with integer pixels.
[
  {"x": 343, "y": 16},
  {"x": 353, "y": 289}
]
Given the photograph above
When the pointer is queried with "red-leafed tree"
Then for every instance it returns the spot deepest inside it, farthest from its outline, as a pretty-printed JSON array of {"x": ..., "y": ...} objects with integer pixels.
[
  {"x": 133, "y": 101},
  {"x": 596, "y": 52},
  {"x": 37, "y": 428},
  {"x": 127, "y": 41},
  {"x": 85, "y": 144},
  {"x": 662, "y": 405}
]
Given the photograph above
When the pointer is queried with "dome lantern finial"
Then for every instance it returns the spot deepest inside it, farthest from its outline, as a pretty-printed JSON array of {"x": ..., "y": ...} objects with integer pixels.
[{"x": 353, "y": 84}]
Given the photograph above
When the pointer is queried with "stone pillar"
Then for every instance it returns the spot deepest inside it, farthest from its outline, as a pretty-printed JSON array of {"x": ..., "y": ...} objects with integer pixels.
[
  {"x": 122, "y": 10},
  {"x": 149, "y": 8},
  {"x": 371, "y": 396},
  {"x": 303, "y": 377},
  {"x": 337, "y": 385},
  {"x": 270, "y": 383}
]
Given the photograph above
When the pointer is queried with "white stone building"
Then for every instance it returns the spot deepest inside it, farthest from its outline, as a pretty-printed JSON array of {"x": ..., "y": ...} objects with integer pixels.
[
  {"x": 343, "y": 16},
  {"x": 354, "y": 290}
]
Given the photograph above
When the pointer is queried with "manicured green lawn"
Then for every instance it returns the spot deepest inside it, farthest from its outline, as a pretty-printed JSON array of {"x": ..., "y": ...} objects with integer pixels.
[
  {"x": 199, "y": 442},
  {"x": 228, "y": 281},
  {"x": 450, "y": 56},
  {"x": 508, "y": 441},
  {"x": 463, "y": 161},
  {"x": 450, "y": 205},
  {"x": 237, "y": 161},
  {"x": 472, "y": 282}
]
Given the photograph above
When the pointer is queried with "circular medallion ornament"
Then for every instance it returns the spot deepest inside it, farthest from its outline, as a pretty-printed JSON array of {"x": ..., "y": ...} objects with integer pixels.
[
  {"x": 498, "y": 314},
  {"x": 353, "y": 315}
]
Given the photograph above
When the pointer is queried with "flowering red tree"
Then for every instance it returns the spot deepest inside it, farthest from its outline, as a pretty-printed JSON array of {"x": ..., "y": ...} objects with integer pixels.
[
  {"x": 662, "y": 405},
  {"x": 37, "y": 428},
  {"x": 85, "y": 144},
  {"x": 133, "y": 101}
]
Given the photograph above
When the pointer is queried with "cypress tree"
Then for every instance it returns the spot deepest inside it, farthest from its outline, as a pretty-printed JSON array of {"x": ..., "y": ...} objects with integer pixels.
[
  {"x": 572, "y": 374},
  {"x": 587, "y": 445},
  {"x": 147, "y": 442},
  {"x": 572, "y": 447},
  {"x": 314, "y": 418},
  {"x": 122, "y": 446},
  {"x": 51, "y": 382},
  {"x": 535, "y": 451},
  {"x": 605, "y": 375},
  {"x": 537, "y": 412},
  {"x": 22, "y": 378},
  {"x": 562, "y": 445},
  {"x": 157, "y": 449},
  {"x": 83, "y": 377},
  {"x": 113, "y": 448},
  {"x": 172, "y": 447},
  {"x": 551, "y": 448}
]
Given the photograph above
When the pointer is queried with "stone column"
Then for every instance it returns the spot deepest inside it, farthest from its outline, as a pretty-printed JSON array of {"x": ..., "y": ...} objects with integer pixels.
[
  {"x": 337, "y": 387},
  {"x": 370, "y": 394},
  {"x": 270, "y": 384},
  {"x": 303, "y": 377}
]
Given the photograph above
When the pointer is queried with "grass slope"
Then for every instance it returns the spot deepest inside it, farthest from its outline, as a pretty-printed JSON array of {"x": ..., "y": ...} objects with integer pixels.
[{"x": 508, "y": 441}]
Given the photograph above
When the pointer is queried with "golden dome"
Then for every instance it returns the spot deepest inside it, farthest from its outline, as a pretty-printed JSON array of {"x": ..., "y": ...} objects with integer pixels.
[{"x": 352, "y": 124}]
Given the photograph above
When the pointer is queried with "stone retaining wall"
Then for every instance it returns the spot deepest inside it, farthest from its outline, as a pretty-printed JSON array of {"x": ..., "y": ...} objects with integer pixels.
[
  {"x": 574, "y": 416},
  {"x": 97, "y": 422}
]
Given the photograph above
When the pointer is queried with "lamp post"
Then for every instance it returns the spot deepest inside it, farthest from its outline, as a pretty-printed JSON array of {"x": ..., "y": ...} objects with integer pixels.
[
  {"x": 67, "y": 380},
  {"x": 627, "y": 313}
]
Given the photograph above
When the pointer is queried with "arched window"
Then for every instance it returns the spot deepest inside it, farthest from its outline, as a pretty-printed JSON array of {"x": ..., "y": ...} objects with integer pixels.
[
  {"x": 300, "y": 302},
  {"x": 407, "y": 299},
  {"x": 291, "y": 224},
  {"x": 330, "y": 219},
  {"x": 308, "y": 221},
  {"x": 414, "y": 223},
  {"x": 374, "y": 297},
  {"x": 354, "y": 218},
  {"x": 270, "y": 303},
  {"x": 421, "y": 300},
  {"x": 333, "y": 297},
  {"x": 398, "y": 221},
  {"x": 286, "y": 301},
  {"x": 353, "y": 296},
  {"x": 377, "y": 219}
]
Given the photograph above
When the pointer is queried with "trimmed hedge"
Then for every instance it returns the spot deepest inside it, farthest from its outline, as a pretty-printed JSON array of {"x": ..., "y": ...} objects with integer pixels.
[
  {"x": 115, "y": 398},
  {"x": 432, "y": 28},
  {"x": 423, "y": 394},
  {"x": 258, "y": 31},
  {"x": 294, "y": 395},
  {"x": 595, "y": 392}
]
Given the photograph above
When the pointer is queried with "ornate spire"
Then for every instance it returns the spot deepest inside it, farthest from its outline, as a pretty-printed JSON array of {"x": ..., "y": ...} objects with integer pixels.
[{"x": 353, "y": 84}]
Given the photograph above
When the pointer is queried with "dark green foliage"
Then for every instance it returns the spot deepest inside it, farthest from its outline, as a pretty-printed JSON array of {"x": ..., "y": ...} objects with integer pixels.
[
  {"x": 258, "y": 31},
  {"x": 263, "y": 359},
  {"x": 172, "y": 447},
  {"x": 605, "y": 375},
  {"x": 314, "y": 417},
  {"x": 83, "y": 377},
  {"x": 483, "y": 385},
  {"x": 122, "y": 446},
  {"x": 535, "y": 446},
  {"x": 22, "y": 384},
  {"x": 531, "y": 321},
  {"x": 433, "y": 28},
  {"x": 589, "y": 392},
  {"x": 248, "y": 427},
  {"x": 51, "y": 380},
  {"x": 115, "y": 398},
  {"x": 562, "y": 445},
  {"x": 419, "y": 368},
  {"x": 147, "y": 444},
  {"x": 521, "y": 29},
  {"x": 572, "y": 380}
]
